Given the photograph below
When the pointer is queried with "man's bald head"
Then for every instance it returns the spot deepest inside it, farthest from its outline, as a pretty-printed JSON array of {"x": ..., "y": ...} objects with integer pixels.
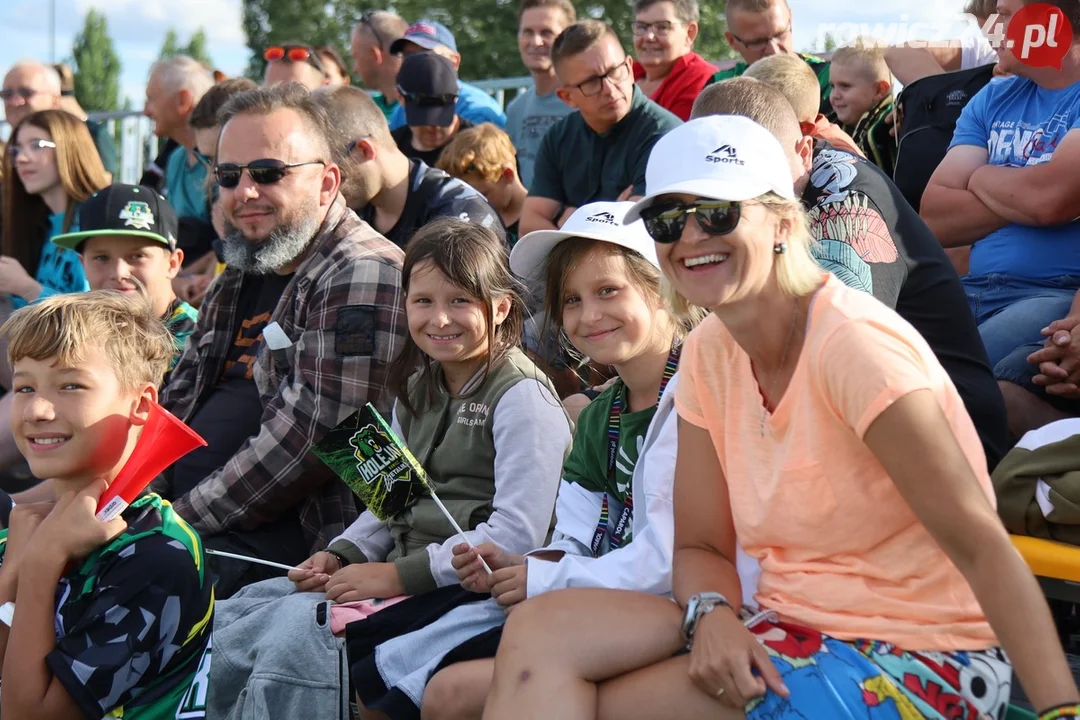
[
  {"x": 766, "y": 106},
  {"x": 30, "y": 86},
  {"x": 352, "y": 115}
]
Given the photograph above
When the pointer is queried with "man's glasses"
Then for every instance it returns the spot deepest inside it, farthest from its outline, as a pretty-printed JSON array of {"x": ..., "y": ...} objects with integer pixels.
[
  {"x": 262, "y": 172},
  {"x": 24, "y": 92},
  {"x": 352, "y": 145},
  {"x": 662, "y": 28},
  {"x": 665, "y": 222},
  {"x": 31, "y": 149},
  {"x": 760, "y": 43},
  {"x": 427, "y": 100},
  {"x": 595, "y": 84},
  {"x": 293, "y": 53}
]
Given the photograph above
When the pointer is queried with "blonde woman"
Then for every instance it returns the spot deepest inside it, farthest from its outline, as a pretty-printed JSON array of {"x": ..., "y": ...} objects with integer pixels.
[{"x": 818, "y": 428}]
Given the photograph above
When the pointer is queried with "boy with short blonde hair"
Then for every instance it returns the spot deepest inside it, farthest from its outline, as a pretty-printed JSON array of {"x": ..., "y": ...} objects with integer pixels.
[
  {"x": 796, "y": 80},
  {"x": 862, "y": 99},
  {"x": 484, "y": 157},
  {"x": 110, "y": 619}
]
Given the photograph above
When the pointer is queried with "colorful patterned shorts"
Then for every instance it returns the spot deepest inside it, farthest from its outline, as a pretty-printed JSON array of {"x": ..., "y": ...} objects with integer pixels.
[{"x": 871, "y": 680}]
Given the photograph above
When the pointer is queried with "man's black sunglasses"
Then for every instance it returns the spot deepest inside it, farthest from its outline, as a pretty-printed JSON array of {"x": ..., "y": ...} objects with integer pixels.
[
  {"x": 428, "y": 100},
  {"x": 263, "y": 172},
  {"x": 665, "y": 221}
]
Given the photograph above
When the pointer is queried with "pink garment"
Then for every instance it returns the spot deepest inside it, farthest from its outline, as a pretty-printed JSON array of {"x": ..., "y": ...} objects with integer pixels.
[{"x": 344, "y": 613}]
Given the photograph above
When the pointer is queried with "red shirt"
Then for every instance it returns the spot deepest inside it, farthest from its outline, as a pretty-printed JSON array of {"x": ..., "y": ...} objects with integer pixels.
[{"x": 682, "y": 85}]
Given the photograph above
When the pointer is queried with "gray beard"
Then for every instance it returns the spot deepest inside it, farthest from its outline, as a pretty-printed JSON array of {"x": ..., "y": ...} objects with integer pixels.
[{"x": 286, "y": 242}]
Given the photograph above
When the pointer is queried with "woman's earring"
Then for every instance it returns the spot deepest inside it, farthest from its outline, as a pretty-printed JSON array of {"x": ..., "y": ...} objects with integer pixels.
[{"x": 780, "y": 248}]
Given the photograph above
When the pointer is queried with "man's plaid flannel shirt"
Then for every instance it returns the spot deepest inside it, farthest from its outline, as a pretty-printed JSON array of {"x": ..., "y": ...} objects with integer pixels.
[{"x": 344, "y": 311}]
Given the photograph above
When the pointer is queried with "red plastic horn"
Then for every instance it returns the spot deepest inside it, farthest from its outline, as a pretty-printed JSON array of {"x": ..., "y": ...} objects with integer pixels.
[{"x": 164, "y": 440}]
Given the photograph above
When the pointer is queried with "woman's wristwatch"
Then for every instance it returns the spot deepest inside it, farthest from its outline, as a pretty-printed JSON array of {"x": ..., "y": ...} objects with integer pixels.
[{"x": 698, "y": 606}]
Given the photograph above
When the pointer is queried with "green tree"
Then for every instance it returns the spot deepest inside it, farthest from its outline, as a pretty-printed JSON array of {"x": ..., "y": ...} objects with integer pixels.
[
  {"x": 96, "y": 65},
  {"x": 485, "y": 30},
  {"x": 196, "y": 48},
  {"x": 830, "y": 43},
  {"x": 171, "y": 47}
]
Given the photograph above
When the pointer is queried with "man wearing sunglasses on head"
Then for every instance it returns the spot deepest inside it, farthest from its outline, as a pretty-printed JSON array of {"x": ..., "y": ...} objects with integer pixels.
[
  {"x": 759, "y": 28},
  {"x": 868, "y": 235},
  {"x": 294, "y": 62},
  {"x": 600, "y": 151},
  {"x": 295, "y": 335},
  {"x": 472, "y": 102},
  {"x": 428, "y": 87},
  {"x": 374, "y": 64}
]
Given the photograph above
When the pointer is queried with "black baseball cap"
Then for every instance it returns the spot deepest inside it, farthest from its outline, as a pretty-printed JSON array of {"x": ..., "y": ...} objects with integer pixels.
[
  {"x": 132, "y": 210},
  {"x": 429, "y": 84}
]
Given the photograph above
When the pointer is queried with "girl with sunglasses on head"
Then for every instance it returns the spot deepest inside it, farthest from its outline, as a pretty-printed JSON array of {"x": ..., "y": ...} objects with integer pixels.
[
  {"x": 51, "y": 165},
  {"x": 818, "y": 428}
]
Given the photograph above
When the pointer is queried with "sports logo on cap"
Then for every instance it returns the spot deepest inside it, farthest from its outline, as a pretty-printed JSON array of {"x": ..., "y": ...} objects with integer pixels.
[
  {"x": 602, "y": 217},
  {"x": 421, "y": 28},
  {"x": 137, "y": 215},
  {"x": 724, "y": 154}
]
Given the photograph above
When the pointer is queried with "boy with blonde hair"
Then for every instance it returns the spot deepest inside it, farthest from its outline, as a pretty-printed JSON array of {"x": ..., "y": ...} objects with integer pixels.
[
  {"x": 863, "y": 101},
  {"x": 793, "y": 77},
  {"x": 484, "y": 157},
  {"x": 110, "y": 619}
]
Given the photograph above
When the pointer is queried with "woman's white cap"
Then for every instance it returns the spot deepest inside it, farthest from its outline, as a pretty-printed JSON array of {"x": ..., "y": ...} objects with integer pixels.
[
  {"x": 719, "y": 157},
  {"x": 601, "y": 221}
]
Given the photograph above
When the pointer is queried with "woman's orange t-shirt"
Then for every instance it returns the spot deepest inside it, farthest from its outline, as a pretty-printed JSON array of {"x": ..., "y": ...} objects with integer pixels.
[{"x": 840, "y": 549}]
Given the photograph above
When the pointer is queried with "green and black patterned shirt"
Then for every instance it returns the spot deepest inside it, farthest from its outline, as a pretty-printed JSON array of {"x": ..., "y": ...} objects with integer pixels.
[{"x": 133, "y": 621}]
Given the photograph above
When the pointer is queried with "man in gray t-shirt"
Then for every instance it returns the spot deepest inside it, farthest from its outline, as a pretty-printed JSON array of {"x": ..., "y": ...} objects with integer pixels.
[{"x": 530, "y": 114}]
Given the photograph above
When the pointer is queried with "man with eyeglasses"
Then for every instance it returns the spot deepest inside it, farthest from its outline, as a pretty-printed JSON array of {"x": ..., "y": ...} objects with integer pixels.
[
  {"x": 600, "y": 151},
  {"x": 428, "y": 87},
  {"x": 871, "y": 238},
  {"x": 294, "y": 62},
  {"x": 472, "y": 103},
  {"x": 30, "y": 86},
  {"x": 667, "y": 69},
  {"x": 759, "y": 28},
  {"x": 294, "y": 336},
  {"x": 373, "y": 62}
]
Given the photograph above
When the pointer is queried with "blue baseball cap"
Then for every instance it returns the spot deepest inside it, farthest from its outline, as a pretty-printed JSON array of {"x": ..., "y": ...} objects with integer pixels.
[{"x": 428, "y": 34}]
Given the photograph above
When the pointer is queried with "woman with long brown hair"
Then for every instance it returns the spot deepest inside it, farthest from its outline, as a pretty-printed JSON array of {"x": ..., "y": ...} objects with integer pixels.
[{"x": 50, "y": 166}]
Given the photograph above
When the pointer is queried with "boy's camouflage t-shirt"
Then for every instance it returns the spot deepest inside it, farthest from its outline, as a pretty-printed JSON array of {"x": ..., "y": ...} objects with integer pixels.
[{"x": 133, "y": 621}]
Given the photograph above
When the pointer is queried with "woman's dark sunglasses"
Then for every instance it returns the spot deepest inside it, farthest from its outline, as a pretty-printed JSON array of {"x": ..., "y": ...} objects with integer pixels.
[
  {"x": 263, "y": 172},
  {"x": 665, "y": 221}
]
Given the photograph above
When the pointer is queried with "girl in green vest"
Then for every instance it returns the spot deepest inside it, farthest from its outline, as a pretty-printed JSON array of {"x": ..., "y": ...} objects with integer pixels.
[{"x": 482, "y": 419}]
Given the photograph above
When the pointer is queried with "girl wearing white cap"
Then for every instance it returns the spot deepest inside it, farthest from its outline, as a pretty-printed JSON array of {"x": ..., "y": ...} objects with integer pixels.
[{"x": 818, "y": 427}]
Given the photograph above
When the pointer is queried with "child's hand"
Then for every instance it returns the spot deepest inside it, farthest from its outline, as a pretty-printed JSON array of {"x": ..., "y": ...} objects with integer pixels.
[
  {"x": 364, "y": 581},
  {"x": 312, "y": 574},
  {"x": 471, "y": 572},
  {"x": 71, "y": 531},
  {"x": 24, "y": 522},
  {"x": 509, "y": 585}
]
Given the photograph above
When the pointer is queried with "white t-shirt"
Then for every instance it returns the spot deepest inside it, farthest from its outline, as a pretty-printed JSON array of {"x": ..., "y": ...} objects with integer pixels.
[{"x": 975, "y": 49}]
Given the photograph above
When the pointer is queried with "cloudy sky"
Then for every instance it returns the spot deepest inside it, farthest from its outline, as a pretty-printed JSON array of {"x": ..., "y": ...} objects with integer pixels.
[{"x": 138, "y": 28}]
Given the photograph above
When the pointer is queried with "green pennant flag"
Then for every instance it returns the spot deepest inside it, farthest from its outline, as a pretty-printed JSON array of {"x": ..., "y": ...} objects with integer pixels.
[{"x": 374, "y": 462}]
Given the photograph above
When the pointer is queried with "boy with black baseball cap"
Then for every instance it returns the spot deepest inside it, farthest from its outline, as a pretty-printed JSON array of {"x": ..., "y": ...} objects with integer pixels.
[
  {"x": 428, "y": 86},
  {"x": 127, "y": 237}
]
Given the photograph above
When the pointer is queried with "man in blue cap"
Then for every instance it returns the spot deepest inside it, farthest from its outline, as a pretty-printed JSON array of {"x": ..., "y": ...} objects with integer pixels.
[{"x": 473, "y": 104}]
